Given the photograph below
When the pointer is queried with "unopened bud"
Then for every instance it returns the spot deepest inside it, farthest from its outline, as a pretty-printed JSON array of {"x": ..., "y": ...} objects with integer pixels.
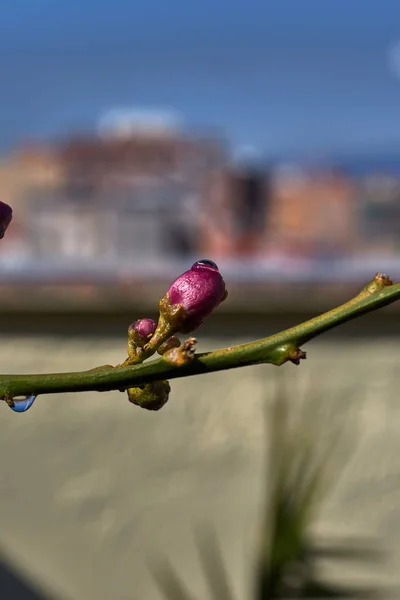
[
  {"x": 199, "y": 291},
  {"x": 140, "y": 332},
  {"x": 151, "y": 396},
  {"x": 190, "y": 298}
]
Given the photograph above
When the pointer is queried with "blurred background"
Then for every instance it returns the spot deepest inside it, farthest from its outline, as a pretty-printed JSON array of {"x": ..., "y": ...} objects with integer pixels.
[{"x": 136, "y": 138}]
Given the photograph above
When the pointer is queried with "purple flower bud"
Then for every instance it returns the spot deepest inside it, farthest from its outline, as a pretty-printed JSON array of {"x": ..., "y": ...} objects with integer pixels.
[
  {"x": 198, "y": 291},
  {"x": 5, "y": 218},
  {"x": 141, "y": 331}
]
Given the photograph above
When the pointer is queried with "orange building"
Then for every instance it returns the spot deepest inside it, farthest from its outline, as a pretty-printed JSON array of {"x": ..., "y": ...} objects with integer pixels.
[
  {"x": 256, "y": 214},
  {"x": 110, "y": 196},
  {"x": 170, "y": 194},
  {"x": 233, "y": 213},
  {"x": 312, "y": 214}
]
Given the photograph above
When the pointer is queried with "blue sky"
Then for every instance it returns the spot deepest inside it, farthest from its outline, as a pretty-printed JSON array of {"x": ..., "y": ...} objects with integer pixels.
[{"x": 280, "y": 75}]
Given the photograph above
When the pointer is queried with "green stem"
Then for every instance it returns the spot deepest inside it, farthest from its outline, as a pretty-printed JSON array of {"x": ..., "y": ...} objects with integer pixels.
[{"x": 276, "y": 349}]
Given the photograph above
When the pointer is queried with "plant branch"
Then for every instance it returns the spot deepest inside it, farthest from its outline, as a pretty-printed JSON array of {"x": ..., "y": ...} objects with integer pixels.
[{"x": 276, "y": 349}]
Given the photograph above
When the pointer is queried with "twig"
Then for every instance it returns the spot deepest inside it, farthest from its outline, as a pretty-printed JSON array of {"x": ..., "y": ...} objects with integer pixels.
[{"x": 276, "y": 349}]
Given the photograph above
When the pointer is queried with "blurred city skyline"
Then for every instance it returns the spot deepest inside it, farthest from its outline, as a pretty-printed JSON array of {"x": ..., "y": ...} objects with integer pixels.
[
  {"x": 278, "y": 78},
  {"x": 263, "y": 135},
  {"x": 145, "y": 196}
]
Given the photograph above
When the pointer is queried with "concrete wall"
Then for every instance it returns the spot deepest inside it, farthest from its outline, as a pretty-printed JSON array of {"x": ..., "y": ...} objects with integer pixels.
[{"x": 92, "y": 489}]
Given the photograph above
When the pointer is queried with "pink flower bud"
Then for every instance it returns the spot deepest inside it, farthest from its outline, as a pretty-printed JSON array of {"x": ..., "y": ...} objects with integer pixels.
[
  {"x": 198, "y": 291},
  {"x": 5, "y": 218},
  {"x": 141, "y": 331}
]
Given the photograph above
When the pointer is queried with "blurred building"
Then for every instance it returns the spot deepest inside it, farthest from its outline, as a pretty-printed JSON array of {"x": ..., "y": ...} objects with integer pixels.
[
  {"x": 261, "y": 213},
  {"x": 379, "y": 213},
  {"x": 33, "y": 166},
  {"x": 313, "y": 214},
  {"x": 139, "y": 199},
  {"x": 107, "y": 198},
  {"x": 235, "y": 212}
]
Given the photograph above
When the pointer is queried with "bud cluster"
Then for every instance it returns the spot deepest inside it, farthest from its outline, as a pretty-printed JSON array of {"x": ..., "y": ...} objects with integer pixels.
[{"x": 189, "y": 300}]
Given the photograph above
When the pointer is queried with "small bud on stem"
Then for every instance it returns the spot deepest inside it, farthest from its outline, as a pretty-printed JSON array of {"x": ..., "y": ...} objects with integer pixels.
[
  {"x": 379, "y": 282},
  {"x": 151, "y": 396},
  {"x": 139, "y": 333}
]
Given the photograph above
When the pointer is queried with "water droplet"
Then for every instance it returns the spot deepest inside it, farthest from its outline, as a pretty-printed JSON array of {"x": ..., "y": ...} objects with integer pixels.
[
  {"x": 206, "y": 262},
  {"x": 21, "y": 406}
]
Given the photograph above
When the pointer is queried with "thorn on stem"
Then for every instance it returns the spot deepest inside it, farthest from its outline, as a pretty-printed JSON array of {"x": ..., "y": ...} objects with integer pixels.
[
  {"x": 189, "y": 347},
  {"x": 182, "y": 355},
  {"x": 379, "y": 282},
  {"x": 297, "y": 355},
  {"x": 383, "y": 279}
]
